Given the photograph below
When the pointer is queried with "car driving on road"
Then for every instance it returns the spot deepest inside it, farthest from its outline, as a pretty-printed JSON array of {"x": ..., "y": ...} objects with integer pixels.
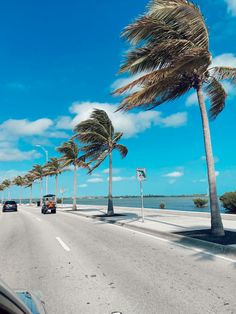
[{"x": 9, "y": 206}]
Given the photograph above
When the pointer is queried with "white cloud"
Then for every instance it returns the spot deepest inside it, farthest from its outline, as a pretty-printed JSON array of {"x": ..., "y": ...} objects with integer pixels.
[
  {"x": 64, "y": 123},
  {"x": 192, "y": 100},
  {"x": 25, "y": 127},
  {"x": 95, "y": 180},
  {"x": 14, "y": 154},
  {"x": 203, "y": 180},
  {"x": 10, "y": 174},
  {"x": 175, "y": 174},
  {"x": 84, "y": 185},
  {"x": 129, "y": 123},
  {"x": 119, "y": 179},
  {"x": 225, "y": 59},
  {"x": 172, "y": 181},
  {"x": 114, "y": 170},
  {"x": 217, "y": 173},
  {"x": 231, "y": 6},
  {"x": 175, "y": 120}
]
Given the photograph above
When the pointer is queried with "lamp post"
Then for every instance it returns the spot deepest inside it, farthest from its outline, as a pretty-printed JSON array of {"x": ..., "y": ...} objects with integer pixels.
[{"x": 46, "y": 155}]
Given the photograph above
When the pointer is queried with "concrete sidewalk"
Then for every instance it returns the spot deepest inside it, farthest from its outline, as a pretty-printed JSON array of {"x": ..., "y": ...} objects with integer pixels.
[{"x": 164, "y": 223}]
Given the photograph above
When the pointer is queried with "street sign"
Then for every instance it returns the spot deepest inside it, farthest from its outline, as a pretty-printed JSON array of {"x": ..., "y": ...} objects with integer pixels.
[{"x": 141, "y": 174}]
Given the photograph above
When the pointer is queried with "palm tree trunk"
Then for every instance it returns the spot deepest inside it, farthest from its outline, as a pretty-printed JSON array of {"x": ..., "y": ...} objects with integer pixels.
[
  {"x": 216, "y": 221},
  {"x": 31, "y": 188},
  {"x": 74, "y": 198},
  {"x": 110, "y": 208},
  {"x": 20, "y": 195},
  {"x": 56, "y": 177},
  {"x": 41, "y": 192}
]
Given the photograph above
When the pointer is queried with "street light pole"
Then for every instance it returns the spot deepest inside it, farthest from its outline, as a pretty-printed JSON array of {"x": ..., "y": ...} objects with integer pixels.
[{"x": 46, "y": 155}]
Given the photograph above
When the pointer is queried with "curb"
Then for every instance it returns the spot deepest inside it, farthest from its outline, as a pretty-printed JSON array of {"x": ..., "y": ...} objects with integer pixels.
[{"x": 209, "y": 247}]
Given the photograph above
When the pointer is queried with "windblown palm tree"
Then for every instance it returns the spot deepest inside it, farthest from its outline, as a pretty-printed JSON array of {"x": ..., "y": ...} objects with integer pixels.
[
  {"x": 38, "y": 173},
  {"x": 100, "y": 139},
  {"x": 19, "y": 181},
  {"x": 7, "y": 183},
  {"x": 171, "y": 44},
  {"x": 70, "y": 156},
  {"x": 53, "y": 168},
  {"x": 28, "y": 183}
]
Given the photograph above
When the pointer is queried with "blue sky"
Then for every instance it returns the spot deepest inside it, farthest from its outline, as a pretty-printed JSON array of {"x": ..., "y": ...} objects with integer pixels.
[{"x": 59, "y": 60}]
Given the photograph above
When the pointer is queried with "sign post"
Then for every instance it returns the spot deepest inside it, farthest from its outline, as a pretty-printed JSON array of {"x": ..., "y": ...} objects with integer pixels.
[
  {"x": 141, "y": 176},
  {"x": 62, "y": 191}
]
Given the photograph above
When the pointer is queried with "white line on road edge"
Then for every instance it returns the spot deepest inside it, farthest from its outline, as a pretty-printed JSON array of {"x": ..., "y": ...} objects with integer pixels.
[
  {"x": 170, "y": 242},
  {"x": 65, "y": 247},
  {"x": 184, "y": 246}
]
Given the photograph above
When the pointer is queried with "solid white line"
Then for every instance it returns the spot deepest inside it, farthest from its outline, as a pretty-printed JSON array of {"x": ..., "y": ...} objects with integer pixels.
[
  {"x": 184, "y": 246},
  {"x": 170, "y": 242},
  {"x": 65, "y": 247}
]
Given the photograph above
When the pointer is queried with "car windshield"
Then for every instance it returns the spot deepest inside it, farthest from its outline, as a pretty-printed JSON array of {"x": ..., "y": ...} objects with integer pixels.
[{"x": 10, "y": 203}]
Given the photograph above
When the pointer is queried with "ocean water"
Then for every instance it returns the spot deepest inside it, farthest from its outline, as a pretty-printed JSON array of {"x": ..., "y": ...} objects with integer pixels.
[{"x": 172, "y": 203}]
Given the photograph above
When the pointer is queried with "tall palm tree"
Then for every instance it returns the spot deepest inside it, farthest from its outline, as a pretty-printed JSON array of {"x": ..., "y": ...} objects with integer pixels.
[
  {"x": 53, "y": 168},
  {"x": 19, "y": 181},
  {"x": 100, "y": 139},
  {"x": 28, "y": 183},
  {"x": 2, "y": 188},
  {"x": 70, "y": 156},
  {"x": 171, "y": 44},
  {"x": 38, "y": 173},
  {"x": 7, "y": 183}
]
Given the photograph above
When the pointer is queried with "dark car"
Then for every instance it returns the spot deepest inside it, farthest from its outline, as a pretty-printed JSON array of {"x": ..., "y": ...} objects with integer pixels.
[{"x": 9, "y": 206}]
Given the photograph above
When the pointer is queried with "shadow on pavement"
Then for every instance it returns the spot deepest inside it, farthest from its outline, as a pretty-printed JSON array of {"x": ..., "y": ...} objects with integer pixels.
[
  {"x": 205, "y": 235},
  {"x": 118, "y": 217}
]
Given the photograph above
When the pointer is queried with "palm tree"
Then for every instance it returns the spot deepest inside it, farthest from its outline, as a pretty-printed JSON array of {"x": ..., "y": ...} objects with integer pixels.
[
  {"x": 2, "y": 188},
  {"x": 171, "y": 44},
  {"x": 70, "y": 156},
  {"x": 19, "y": 181},
  {"x": 28, "y": 183},
  {"x": 7, "y": 183},
  {"x": 98, "y": 134},
  {"x": 38, "y": 173},
  {"x": 54, "y": 168}
]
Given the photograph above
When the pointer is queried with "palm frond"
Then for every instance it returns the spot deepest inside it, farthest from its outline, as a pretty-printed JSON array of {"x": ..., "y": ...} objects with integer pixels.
[
  {"x": 91, "y": 125},
  {"x": 91, "y": 137},
  {"x": 99, "y": 160},
  {"x": 102, "y": 117},
  {"x": 157, "y": 93},
  {"x": 147, "y": 28},
  {"x": 122, "y": 149},
  {"x": 151, "y": 57},
  {"x": 217, "y": 96},
  {"x": 184, "y": 17},
  {"x": 223, "y": 73},
  {"x": 153, "y": 76}
]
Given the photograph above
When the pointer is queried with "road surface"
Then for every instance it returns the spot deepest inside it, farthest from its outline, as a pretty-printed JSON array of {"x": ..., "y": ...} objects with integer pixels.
[{"x": 85, "y": 266}]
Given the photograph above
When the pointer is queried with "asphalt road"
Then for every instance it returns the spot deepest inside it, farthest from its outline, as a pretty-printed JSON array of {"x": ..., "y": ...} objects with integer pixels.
[{"x": 84, "y": 266}]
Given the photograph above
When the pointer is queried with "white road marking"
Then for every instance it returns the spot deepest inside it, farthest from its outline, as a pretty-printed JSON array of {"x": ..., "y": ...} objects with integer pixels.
[
  {"x": 65, "y": 247},
  {"x": 184, "y": 246},
  {"x": 38, "y": 219},
  {"x": 167, "y": 241}
]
